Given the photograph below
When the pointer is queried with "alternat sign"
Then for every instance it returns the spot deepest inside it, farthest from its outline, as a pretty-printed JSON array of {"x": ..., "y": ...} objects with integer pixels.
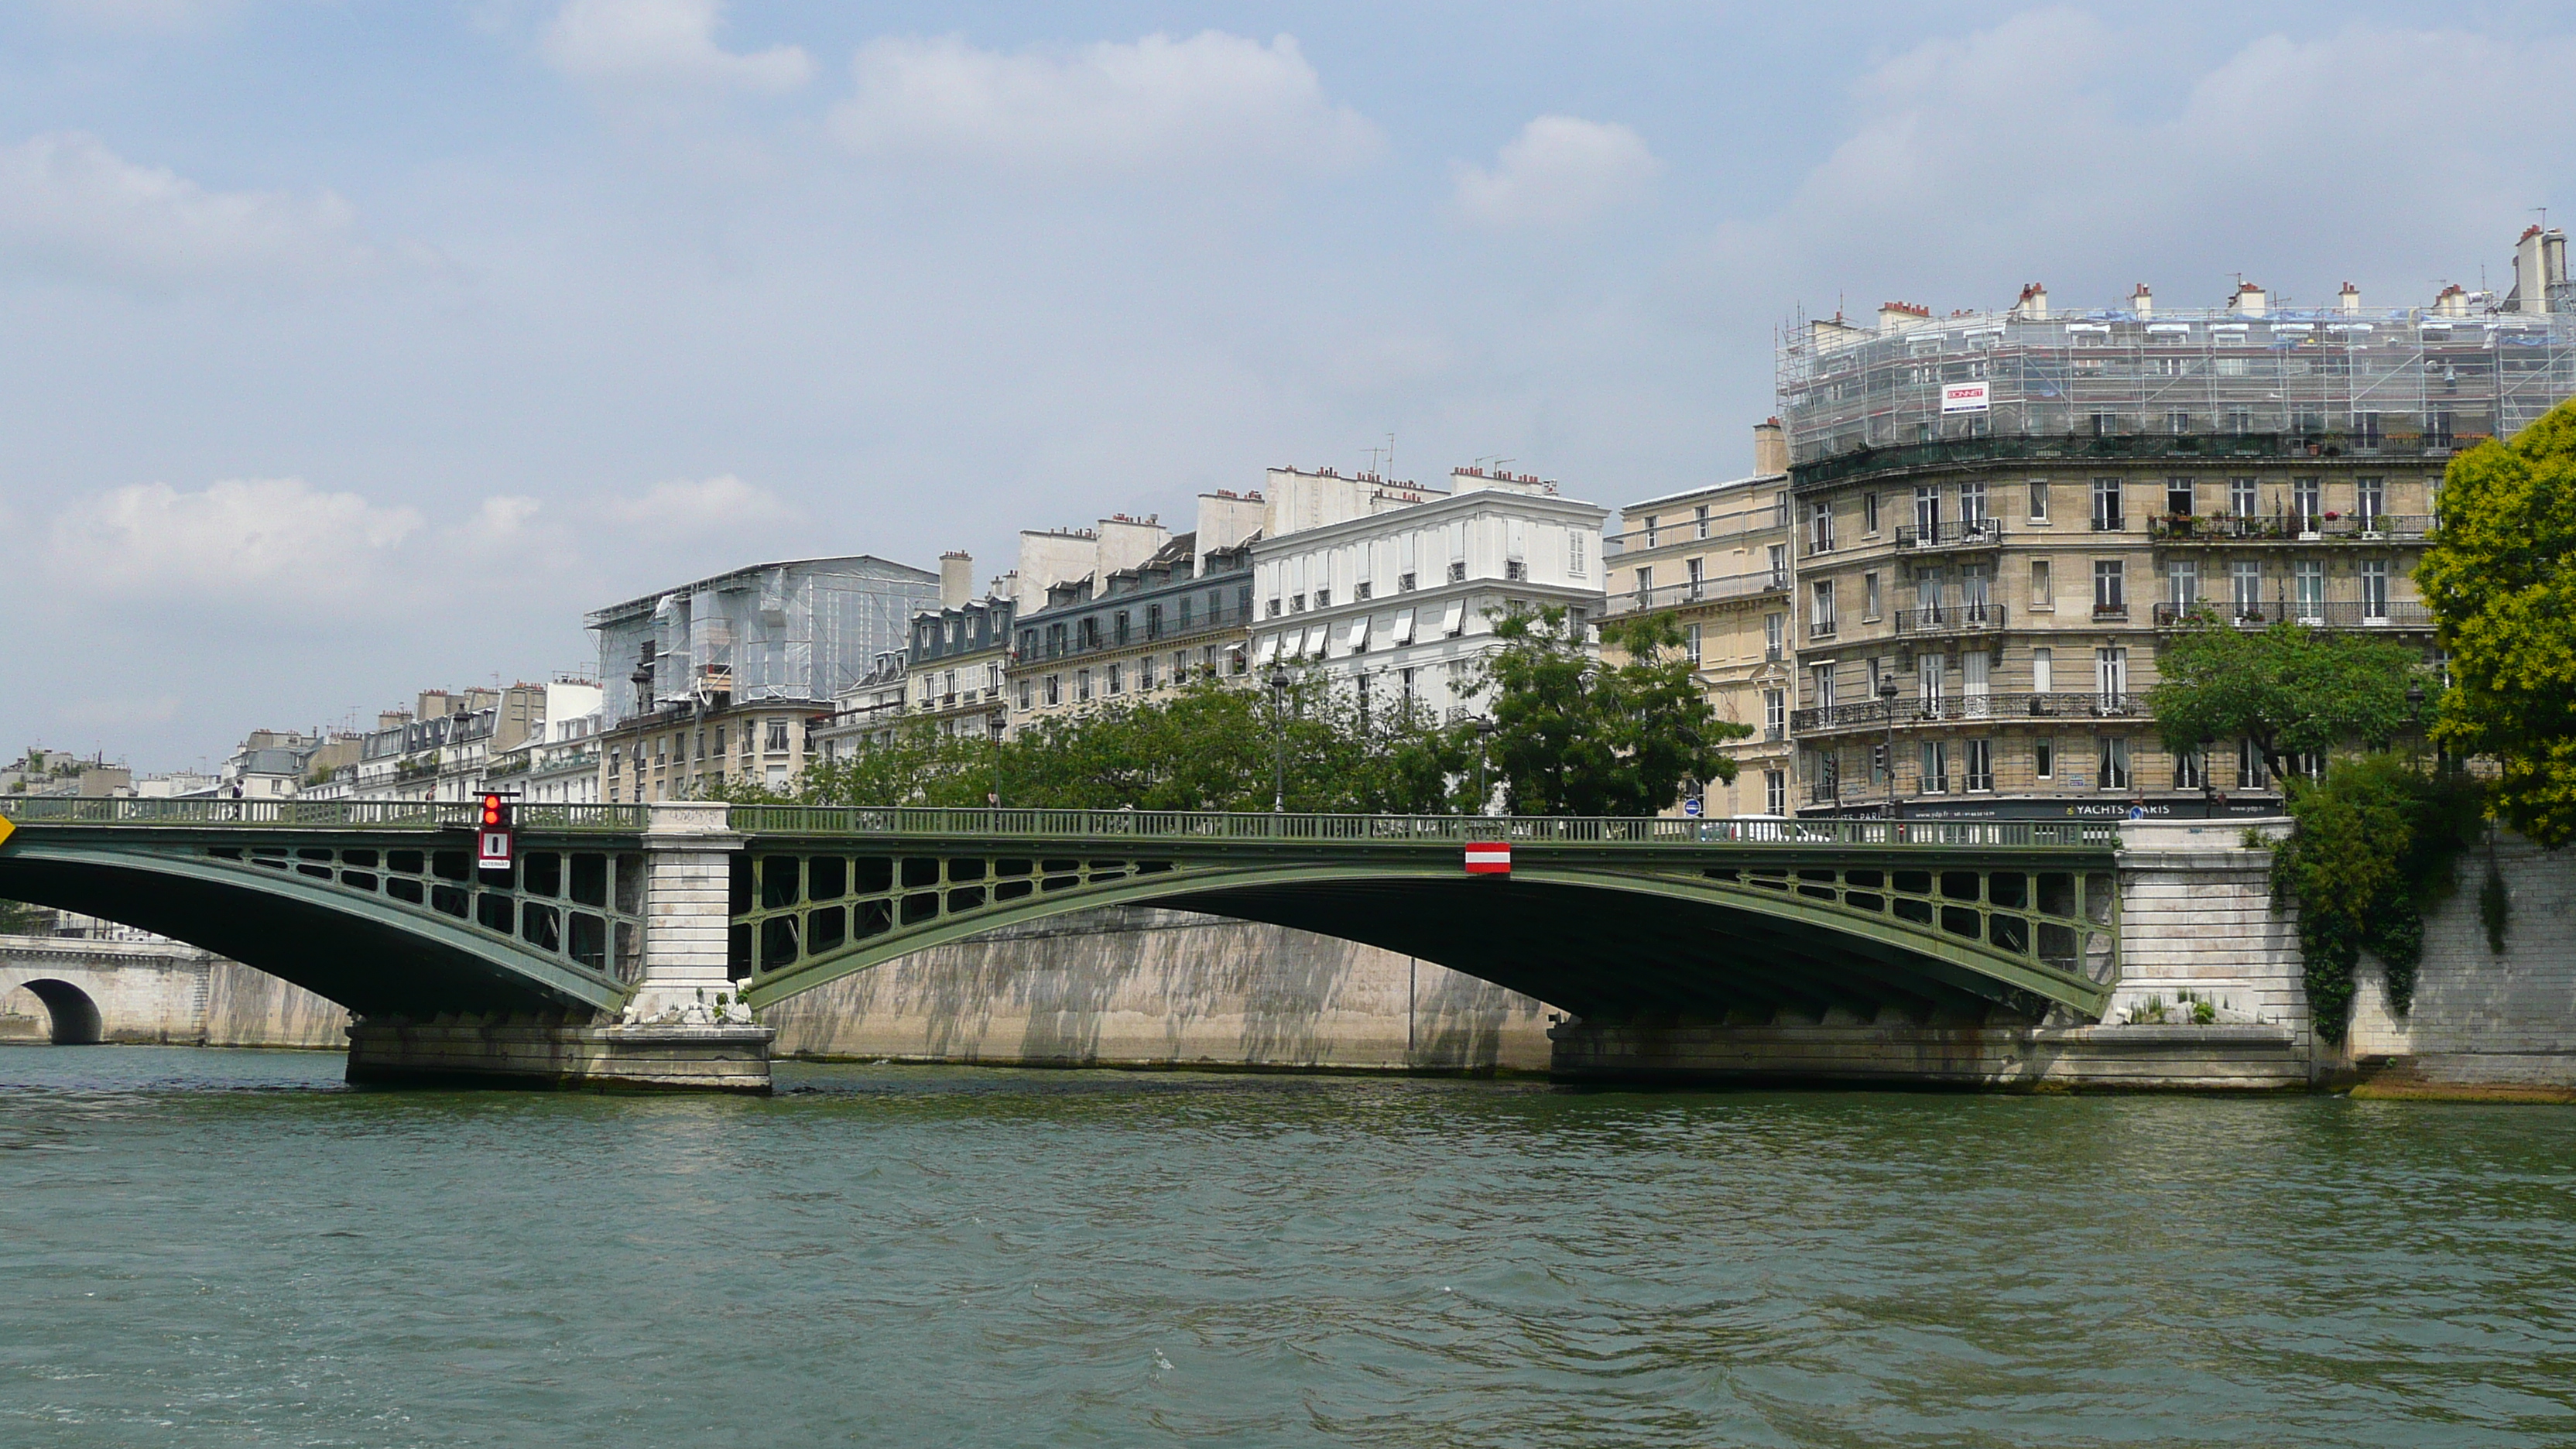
[
  {"x": 1489, "y": 857},
  {"x": 1963, "y": 397}
]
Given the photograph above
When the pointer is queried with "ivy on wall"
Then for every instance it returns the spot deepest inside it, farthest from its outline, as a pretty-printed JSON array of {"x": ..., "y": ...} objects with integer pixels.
[{"x": 2376, "y": 844}]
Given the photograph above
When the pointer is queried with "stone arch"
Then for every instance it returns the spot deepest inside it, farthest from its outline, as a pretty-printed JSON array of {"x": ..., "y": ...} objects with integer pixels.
[{"x": 73, "y": 1016}]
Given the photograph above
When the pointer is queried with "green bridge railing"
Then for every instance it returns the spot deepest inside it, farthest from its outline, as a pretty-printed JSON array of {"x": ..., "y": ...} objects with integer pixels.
[
  {"x": 316, "y": 814},
  {"x": 1191, "y": 825}
]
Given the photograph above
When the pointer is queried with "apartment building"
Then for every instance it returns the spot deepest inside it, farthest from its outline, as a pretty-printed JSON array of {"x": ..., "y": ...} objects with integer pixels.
[
  {"x": 1397, "y": 603},
  {"x": 2000, "y": 518},
  {"x": 1718, "y": 560},
  {"x": 1127, "y": 630}
]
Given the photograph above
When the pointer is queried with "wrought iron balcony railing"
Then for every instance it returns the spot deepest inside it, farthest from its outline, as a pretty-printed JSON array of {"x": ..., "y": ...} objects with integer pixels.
[
  {"x": 1967, "y": 709},
  {"x": 1956, "y": 533},
  {"x": 2331, "y": 614},
  {"x": 1694, "y": 591},
  {"x": 2295, "y": 528},
  {"x": 1943, "y": 619}
]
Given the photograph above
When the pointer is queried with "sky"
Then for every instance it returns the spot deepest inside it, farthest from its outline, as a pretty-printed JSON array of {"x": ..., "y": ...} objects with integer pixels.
[{"x": 358, "y": 349}]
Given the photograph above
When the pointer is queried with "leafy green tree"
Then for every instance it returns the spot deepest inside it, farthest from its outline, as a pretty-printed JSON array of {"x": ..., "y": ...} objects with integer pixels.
[
  {"x": 17, "y": 918},
  {"x": 2290, "y": 689},
  {"x": 2501, "y": 580},
  {"x": 1576, "y": 736}
]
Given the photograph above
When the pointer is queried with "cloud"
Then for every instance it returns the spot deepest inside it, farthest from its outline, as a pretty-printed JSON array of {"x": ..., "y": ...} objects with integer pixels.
[
  {"x": 277, "y": 540},
  {"x": 683, "y": 506},
  {"x": 71, "y": 207},
  {"x": 2094, "y": 179},
  {"x": 1158, "y": 105},
  {"x": 1558, "y": 173},
  {"x": 663, "y": 43}
]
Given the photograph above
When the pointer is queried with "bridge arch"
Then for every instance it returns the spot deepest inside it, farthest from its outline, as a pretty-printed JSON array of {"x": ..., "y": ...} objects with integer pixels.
[
  {"x": 320, "y": 913},
  {"x": 1606, "y": 940},
  {"x": 72, "y": 1017}
]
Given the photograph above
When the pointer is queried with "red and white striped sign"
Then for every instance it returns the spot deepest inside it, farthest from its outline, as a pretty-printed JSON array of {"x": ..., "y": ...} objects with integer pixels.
[{"x": 1489, "y": 857}]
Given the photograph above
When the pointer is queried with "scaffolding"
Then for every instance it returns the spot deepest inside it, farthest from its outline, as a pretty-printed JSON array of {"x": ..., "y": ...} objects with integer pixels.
[{"x": 2362, "y": 380}]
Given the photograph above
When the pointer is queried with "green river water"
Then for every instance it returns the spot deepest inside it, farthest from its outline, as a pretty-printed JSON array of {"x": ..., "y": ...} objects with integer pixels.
[{"x": 217, "y": 1248}]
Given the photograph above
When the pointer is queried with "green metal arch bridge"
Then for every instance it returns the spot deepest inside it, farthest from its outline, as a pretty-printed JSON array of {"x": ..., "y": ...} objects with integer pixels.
[{"x": 374, "y": 905}]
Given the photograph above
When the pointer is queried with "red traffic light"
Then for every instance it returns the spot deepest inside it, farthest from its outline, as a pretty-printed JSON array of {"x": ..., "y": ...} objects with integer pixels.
[{"x": 492, "y": 812}]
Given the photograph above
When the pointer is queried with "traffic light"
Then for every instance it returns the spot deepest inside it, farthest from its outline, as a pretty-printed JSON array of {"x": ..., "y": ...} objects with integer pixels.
[{"x": 492, "y": 836}]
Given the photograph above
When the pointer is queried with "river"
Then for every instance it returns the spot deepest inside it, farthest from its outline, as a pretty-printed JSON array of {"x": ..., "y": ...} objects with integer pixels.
[{"x": 216, "y": 1248}]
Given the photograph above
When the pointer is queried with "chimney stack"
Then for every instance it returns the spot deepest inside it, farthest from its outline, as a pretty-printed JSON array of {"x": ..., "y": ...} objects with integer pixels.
[
  {"x": 1898, "y": 316},
  {"x": 2143, "y": 302},
  {"x": 1770, "y": 449},
  {"x": 956, "y": 579},
  {"x": 2248, "y": 301},
  {"x": 2033, "y": 306}
]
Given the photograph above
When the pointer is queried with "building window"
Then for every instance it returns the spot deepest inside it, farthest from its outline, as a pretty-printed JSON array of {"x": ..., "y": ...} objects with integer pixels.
[
  {"x": 1775, "y": 714},
  {"x": 2307, "y": 503},
  {"x": 1775, "y": 792},
  {"x": 2111, "y": 676},
  {"x": 2106, "y": 505},
  {"x": 2247, "y": 577},
  {"x": 1404, "y": 583},
  {"x": 1274, "y": 608},
  {"x": 1935, "y": 760},
  {"x": 2365, "y": 430},
  {"x": 2110, "y": 589},
  {"x": 1645, "y": 584},
  {"x": 1153, "y": 621},
  {"x": 1927, "y": 512},
  {"x": 2369, "y": 501},
  {"x": 1574, "y": 553},
  {"x": 1869, "y": 596},
  {"x": 2043, "y": 758},
  {"x": 1980, "y": 765},
  {"x": 1650, "y": 530},
  {"x": 1820, "y": 679},
  {"x": 2177, "y": 422},
  {"x": 2042, "y": 588},
  {"x": 1869, "y": 512},
  {"x": 1820, "y": 529},
  {"x": 2309, "y": 583},
  {"x": 2111, "y": 763},
  {"x": 2182, "y": 584},
  {"x": 776, "y": 740},
  {"x": 1773, "y": 626},
  {"x": 1820, "y": 620},
  {"x": 1024, "y": 694},
  {"x": 1054, "y": 690},
  {"x": 2250, "y": 773},
  {"x": 2241, "y": 497},
  {"x": 1458, "y": 571},
  {"x": 1972, "y": 504},
  {"x": 2178, "y": 497},
  {"x": 2039, "y": 500},
  {"x": 2374, "y": 591},
  {"x": 2190, "y": 771},
  {"x": 1779, "y": 557},
  {"x": 1117, "y": 678},
  {"x": 1323, "y": 598},
  {"x": 1296, "y": 603},
  {"x": 1515, "y": 569},
  {"x": 1082, "y": 684},
  {"x": 1690, "y": 642},
  {"x": 2438, "y": 432},
  {"x": 1699, "y": 521}
]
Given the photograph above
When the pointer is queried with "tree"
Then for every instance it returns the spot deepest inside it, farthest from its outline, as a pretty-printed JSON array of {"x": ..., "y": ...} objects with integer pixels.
[
  {"x": 17, "y": 918},
  {"x": 2503, "y": 594},
  {"x": 1575, "y": 736},
  {"x": 2290, "y": 689}
]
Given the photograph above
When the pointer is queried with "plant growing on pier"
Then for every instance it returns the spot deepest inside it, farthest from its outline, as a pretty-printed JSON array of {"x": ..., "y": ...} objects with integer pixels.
[
  {"x": 1576, "y": 736},
  {"x": 2290, "y": 689},
  {"x": 2500, "y": 579},
  {"x": 2376, "y": 843}
]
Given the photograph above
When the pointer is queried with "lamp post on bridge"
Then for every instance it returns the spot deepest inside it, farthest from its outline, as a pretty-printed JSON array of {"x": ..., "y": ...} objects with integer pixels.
[
  {"x": 1278, "y": 739},
  {"x": 993, "y": 733},
  {"x": 1887, "y": 701},
  {"x": 1484, "y": 748}
]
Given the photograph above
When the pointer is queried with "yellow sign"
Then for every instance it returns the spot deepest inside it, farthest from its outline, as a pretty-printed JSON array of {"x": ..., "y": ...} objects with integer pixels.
[{"x": 6, "y": 830}]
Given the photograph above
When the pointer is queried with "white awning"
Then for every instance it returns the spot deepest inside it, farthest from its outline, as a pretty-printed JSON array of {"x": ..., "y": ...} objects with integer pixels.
[
  {"x": 1356, "y": 640},
  {"x": 1312, "y": 642},
  {"x": 1404, "y": 626},
  {"x": 1453, "y": 618},
  {"x": 1269, "y": 648}
]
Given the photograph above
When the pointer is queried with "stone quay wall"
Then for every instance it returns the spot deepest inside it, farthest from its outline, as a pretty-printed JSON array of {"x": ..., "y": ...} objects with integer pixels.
[
  {"x": 2483, "y": 1019},
  {"x": 161, "y": 992},
  {"x": 1140, "y": 987}
]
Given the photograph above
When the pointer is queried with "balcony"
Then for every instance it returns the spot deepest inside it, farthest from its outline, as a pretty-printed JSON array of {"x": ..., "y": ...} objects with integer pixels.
[
  {"x": 1940, "y": 621},
  {"x": 1967, "y": 709},
  {"x": 2088, "y": 448},
  {"x": 1820, "y": 629},
  {"x": 2398, "y": 614},
  {"x": 2230, "y": 529},
  {"x": 1957, "y": 534},
  {"x": 1695, "y": 591},
  {"x": 2110, "y": 613}
]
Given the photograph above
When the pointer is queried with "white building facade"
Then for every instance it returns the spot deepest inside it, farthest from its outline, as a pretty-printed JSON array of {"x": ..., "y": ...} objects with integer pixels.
[{"x": 1399, "y": 605}]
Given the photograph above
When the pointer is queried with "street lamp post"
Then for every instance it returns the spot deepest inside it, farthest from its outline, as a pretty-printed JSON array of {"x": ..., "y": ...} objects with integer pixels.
[
  {"x": 993, "y": 734},
  {"x": 1887, "y": 701},
  {"x": 1278, "y": 739},
  {"x": 2415, "y": 717},
  {"x": 1484, "y": 748}
]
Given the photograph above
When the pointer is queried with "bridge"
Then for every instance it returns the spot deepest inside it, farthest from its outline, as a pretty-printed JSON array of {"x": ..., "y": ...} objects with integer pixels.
[{"x": 625, "y": 934}]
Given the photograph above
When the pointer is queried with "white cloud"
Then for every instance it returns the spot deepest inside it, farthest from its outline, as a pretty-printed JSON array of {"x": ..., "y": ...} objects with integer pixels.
[
  {"x": 2013, "y": 153},
  {"x": 685, "y": 506},
  {"x": 663, "y": 43},
  {"x": 69, "y": 206},
  {"x": 1159, "y": 104},
  {"x": 1558, "y": 173},
  {"x": 273, "y": 539}
]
